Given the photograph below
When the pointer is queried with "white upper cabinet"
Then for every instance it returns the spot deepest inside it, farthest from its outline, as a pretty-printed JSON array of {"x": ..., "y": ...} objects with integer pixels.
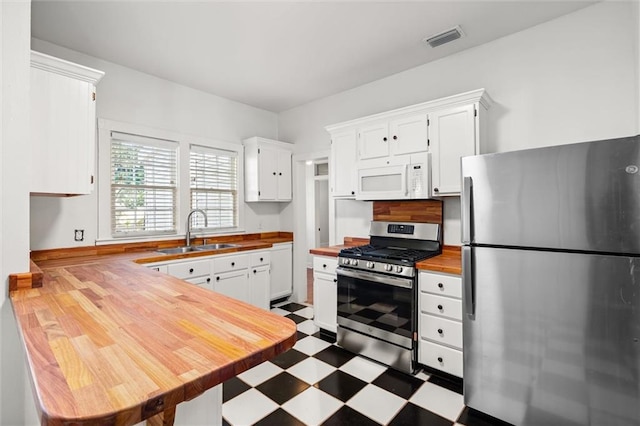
[
  {"x": 343, "y": 163},
  {"x": 452, "y": 135},
  {"x": 63, "y": 126},
  {"x": 267, "y": 170},
  {"x": 390, "y": 138},
  {"x": 442, "y": 131}
]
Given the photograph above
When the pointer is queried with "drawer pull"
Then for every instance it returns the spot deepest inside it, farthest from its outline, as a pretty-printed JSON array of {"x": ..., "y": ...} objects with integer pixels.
[
  {"x": 233, "y": 263},
  {"x": 335, "y": 280},
  {"x": 255, "y": 272},
  {"x": 217, "y": 278},
  {"x": 208, "y": 280},
  {"x": 261, "y": 259},
  {"x": 324, "y": 265},
  {"x": 440, "y": 285},
  {"x": 440, "y": 359},
  {"x": 440, "y": 307},
  {"x": 191, "y": 270},
  {"x": 440, "y": 331}
]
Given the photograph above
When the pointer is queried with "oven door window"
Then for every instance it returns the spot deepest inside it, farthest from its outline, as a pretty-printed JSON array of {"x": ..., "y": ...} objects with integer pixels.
[{"x": 376, "y": 305}]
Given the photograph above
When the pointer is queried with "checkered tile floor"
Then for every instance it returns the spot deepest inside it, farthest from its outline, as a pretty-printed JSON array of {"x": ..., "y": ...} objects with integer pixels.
[{"x": 317, "y": 382}]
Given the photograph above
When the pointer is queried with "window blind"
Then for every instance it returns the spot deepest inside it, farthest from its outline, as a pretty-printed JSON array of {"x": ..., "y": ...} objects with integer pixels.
[
  {"x": 213, "y": 175},
  {"x": 143, "y": 185}
]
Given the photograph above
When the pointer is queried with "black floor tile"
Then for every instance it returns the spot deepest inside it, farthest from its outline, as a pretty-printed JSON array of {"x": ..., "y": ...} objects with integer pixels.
[
  {"x": 341, "y": 385},
  {"x": 412, "y": 415},
  {"x": 348, "y": 416},
  {"x": 296, "y": 318},
  {"x": 279, "y": 418},
  {"x": 400, "y": 384},
  {"x": 292, "y": 307},
  {"x": 335, "y": 356},
  {"x": 300, "y": 335},
  {"x": 471, "y": 417},
  {"x": 282, "y": 387},
  {"x": 289, "y": 358},
  {"x": 232, "y": 388},
  {"x": 453, "y": 385}
]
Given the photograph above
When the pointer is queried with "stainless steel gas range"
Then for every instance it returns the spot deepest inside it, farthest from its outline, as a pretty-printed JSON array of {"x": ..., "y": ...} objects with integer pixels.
[{"x": 377, "y": 292}]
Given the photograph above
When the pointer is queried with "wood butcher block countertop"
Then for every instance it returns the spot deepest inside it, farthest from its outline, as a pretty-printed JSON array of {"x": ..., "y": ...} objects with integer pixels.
[
  {"x": 109, "y": 341},
  {"x": 449, "y": 261}
]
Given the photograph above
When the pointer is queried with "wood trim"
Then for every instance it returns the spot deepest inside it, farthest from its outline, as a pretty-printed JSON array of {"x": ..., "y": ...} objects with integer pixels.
[
  {"x": 419, "y": 211},
  {"x": 25, "y": 280}
]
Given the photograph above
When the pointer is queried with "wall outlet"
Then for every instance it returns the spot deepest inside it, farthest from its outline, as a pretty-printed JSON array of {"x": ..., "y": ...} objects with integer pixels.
[{"x": 78, "y": 235}]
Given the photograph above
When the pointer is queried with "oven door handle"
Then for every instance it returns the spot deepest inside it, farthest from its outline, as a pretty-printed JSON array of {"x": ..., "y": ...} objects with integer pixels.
[{"x": 382, "y": 279}]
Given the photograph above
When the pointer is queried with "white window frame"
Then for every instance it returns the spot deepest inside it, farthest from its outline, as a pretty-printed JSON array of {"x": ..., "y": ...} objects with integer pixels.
[{"x": 105, "y": 127}]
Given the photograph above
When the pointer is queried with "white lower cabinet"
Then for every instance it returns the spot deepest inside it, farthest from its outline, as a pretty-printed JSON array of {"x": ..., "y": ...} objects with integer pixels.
[
  {"x": 233, "y": 284},
  {"x": 325, "y": 292},
  {"x": 281, "y": 270},
  {"x": 260, "y": 278},
  {"x": 440, "y": 322}
]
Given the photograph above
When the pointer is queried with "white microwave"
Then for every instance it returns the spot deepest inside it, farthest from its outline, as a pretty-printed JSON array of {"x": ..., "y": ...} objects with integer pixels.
[{"x": 397, "y": 182}]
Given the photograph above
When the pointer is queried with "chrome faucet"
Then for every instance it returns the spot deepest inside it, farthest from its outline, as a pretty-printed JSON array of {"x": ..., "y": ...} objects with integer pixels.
[{"x": 188, "y": 236}]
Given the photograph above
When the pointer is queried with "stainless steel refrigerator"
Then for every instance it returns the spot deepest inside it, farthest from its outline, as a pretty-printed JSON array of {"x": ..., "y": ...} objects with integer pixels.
[{"x": 551, "y": 275}]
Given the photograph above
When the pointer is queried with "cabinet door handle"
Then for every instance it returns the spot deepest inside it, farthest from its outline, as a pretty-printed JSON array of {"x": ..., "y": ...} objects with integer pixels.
[
  {"x": 274, "y": 173},
  {"x": 279, "y": 174},
  {"x": 384, "y": 139},
  {"x": 395, "y": 137},
  {"x": 233, "y": 263},
  {"x": 191, "y": 270},
  {"x": 440, "y": 359},
  {"x": 261, "y": 259},
  {"x": 440, "y": 331},
  {"x": 208, "y": 280},
  {"x": 254, "y": 271},
  {"x": 335, "y": 280},
  {"x": 353, "y": 192},
  {"x": 324, "y": 265},
  {"x": 439, "y": 307},
  {"x": 217, "y": 278},
  {"x": 436, "y": 190},
  {"x": 440, "y": 285}
]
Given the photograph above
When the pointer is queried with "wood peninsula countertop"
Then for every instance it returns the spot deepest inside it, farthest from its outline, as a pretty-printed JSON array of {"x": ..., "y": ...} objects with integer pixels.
[
  {"x": 111, "y": 342},
  {"x": 450, "y": 261}
]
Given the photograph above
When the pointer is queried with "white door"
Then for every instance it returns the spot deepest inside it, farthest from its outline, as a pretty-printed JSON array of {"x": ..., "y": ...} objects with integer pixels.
[
  {"x": 281, "y": 271},
  {"x": 259, "y": 278},
  {"x": 284, "y": 175},
  {"x": 268, "y": 173},
  {"x": 321, "y": 212},
  {"x": 233, "y": 284},
  {"x": 343, "y": 164},
  {"x": 409, "y": 134},
  {"x": 373, "y": 141},
  {"x": 325, "y": 301}
]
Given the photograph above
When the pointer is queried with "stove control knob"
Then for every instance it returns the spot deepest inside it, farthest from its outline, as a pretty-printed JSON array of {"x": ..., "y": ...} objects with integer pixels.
[
  {"x": 354, "y": 262},
  {"x": 346, "y": 261},
  {"x": 399, "y": 268},
  {"x": 371, "y": 265},
  {"x": 388, "y": 267}
]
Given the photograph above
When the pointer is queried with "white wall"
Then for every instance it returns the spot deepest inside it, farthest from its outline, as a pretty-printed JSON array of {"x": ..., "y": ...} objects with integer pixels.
[
  {"x": 571, "y": 79},
  {"x": 16, "y": 401},
  {"x": 129, "y": 96}
]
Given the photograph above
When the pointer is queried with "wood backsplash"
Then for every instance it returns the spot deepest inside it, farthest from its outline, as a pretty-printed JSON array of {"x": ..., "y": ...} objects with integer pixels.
[{"x": 422, "y": 211}]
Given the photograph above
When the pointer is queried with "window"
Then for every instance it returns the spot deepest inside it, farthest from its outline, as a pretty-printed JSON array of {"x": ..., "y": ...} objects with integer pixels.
[
  {"x": 213, "y": 179},
  {"x": 143, "y": 185}
]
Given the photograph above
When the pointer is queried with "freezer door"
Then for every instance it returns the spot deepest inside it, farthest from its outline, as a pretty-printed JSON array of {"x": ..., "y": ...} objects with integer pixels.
[
  {"x": 554, "y": 339},
  {"x": 582, "y": 196}
]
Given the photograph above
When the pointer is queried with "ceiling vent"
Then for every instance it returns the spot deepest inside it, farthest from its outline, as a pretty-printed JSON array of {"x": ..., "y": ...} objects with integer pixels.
[{"x": 444, "y": 37}]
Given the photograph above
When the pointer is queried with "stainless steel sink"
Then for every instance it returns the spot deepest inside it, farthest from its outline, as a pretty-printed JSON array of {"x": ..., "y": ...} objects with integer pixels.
[
  {"x": 214, "y": 246},
  {"x": 178, "y": 250},
  {"x": 189, "y": 249}
]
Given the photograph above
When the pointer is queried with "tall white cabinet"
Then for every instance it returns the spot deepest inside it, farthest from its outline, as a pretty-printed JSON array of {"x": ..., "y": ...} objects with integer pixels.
[
  {"x": 267, "y": 170},
  {"x": 63, "y": 126},
  {"x": 281, "y": 270}
]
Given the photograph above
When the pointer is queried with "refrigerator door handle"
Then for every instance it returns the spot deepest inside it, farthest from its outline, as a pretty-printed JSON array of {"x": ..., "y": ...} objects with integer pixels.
[
  {"x": 467, "y": 191},
  {"x": 468, "y": 283}
]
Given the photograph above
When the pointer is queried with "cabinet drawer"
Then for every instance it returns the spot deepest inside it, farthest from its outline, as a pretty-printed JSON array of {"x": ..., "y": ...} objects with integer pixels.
[
  {"x": 445, "y": 285},
  {"x": 260, "y": 258},
  {"x": 204, "y": 282},
  {"x": 230, "y": 263},
  {"x": 441, "y": 330},
  {"x": 325, "y": 264},
  {"x": 440, "y": 357},
  {"x": 443, "y": 306},
  {"x": 189, "y": 269}
]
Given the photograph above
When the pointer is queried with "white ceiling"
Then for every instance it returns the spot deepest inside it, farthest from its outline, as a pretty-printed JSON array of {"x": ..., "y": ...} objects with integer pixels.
[{"x": 278, "y": 55}]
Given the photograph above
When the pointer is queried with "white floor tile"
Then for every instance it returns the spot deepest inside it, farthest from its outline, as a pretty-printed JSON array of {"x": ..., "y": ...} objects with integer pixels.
[
  {"x": 363, "y": 369},
  {"x": 312, "y": 406},
  {"x": 260, "y": 373},
  {"x": 305, "y": 312},
  {"x": 280, "y": 312},
  {"x": 307, "y": 327},
  {"x": 439, "y": 400},
  {"x": 310, "y": 345},
  {"x": 247, "y": 408},
  {"x": 311, "y": 370},
  {"x": 376, "y": 403}
]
